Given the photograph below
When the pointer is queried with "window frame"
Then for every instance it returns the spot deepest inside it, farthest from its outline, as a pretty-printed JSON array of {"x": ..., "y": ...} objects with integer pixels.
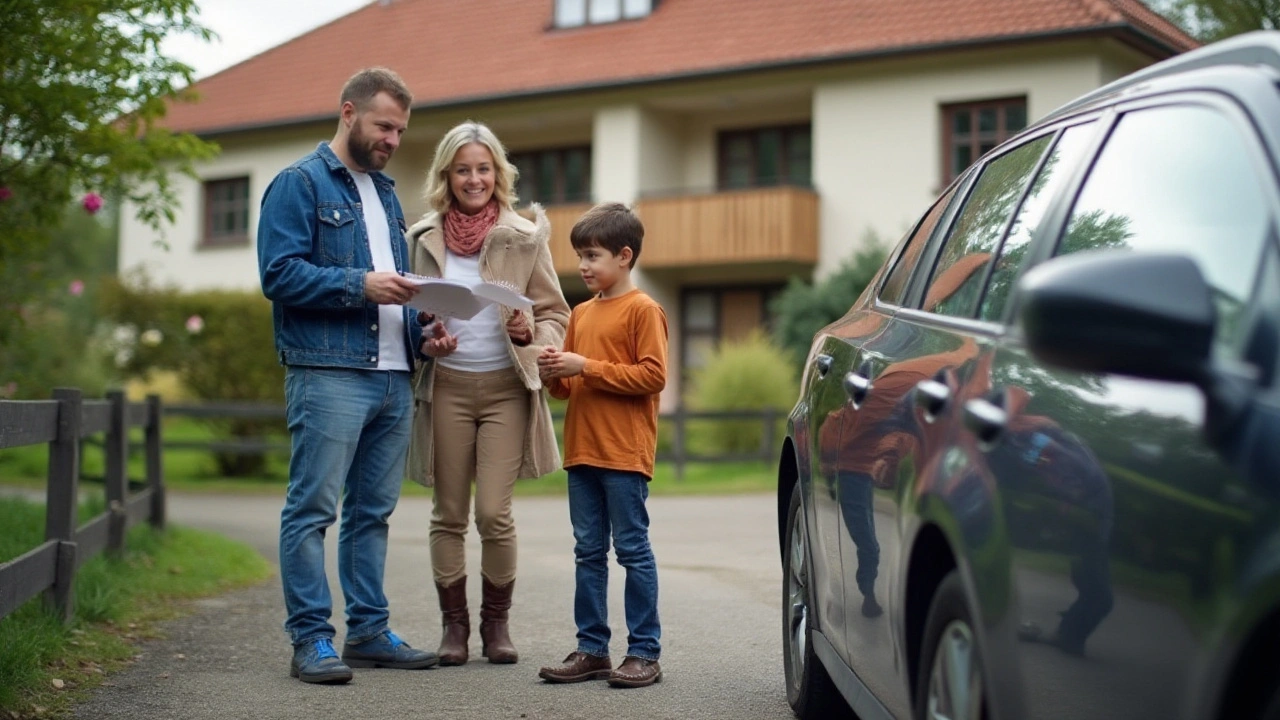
[
  {"x": 1002, "y": 133},
  {"x": 767, "y": 292},
  {"x": 210, "y": 207},
  {"x": 561, "y": 153},
  {"x": 723, "y": 137},
  {"x": 558, "y": 23}
]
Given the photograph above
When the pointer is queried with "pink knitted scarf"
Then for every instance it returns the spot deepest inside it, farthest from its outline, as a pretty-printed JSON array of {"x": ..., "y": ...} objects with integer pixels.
[{"x": 464, "y": 234}]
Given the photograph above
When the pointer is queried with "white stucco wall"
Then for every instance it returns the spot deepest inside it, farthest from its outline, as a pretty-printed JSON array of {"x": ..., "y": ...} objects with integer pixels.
[{"x": 877, "y": 137}]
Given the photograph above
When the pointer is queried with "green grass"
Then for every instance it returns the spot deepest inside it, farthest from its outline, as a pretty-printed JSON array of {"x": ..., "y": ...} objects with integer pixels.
[
  {"x": 195, "y": 471},
  {"x": 45, "y": 666}
]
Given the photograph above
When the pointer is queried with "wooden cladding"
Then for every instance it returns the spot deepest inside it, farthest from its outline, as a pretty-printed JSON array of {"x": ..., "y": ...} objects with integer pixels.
[{"x": 775, "y": 224}]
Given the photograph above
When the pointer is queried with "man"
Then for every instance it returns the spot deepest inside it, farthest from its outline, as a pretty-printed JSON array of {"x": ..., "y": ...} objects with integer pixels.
[{"x": 330, "y": 249}]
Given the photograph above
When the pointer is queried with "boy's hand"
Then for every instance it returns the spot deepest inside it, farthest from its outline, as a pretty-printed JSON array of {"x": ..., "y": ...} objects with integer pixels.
[{"x": 555, "y": 364}]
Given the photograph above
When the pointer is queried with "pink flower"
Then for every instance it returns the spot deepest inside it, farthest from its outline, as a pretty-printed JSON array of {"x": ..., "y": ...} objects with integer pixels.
[
  {"x": 76, "y": 288},
  {"x": 92, "y": 202},
  {"x": 195, "y": 324},
  {"x": 5, "y": 194}
]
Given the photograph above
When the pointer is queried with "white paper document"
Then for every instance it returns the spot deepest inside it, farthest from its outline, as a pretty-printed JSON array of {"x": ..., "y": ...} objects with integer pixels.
[{"x": 450, "y": 298}]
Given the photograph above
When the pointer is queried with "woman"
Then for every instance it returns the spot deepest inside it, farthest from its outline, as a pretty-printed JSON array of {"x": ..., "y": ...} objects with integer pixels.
[{"x": 481, "y": 415}]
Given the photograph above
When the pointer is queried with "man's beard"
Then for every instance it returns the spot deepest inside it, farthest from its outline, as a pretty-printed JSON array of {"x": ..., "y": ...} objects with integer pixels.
[{"x": 361, "y": 151}]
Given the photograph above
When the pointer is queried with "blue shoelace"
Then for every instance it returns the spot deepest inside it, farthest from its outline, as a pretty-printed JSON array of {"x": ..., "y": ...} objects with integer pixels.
[
  {"x": 395, "y": 641},
  {"x": 324, "y": 649}
]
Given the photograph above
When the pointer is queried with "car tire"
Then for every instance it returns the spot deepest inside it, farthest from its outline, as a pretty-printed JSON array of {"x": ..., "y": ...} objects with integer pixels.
[
  {"x": 810, "y": 690},
  {"x": 949, "y": 682}
]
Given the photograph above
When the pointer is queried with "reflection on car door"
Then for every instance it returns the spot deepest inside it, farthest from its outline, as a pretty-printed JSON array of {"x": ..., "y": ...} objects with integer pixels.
[{"x": 1119, "y": 515}]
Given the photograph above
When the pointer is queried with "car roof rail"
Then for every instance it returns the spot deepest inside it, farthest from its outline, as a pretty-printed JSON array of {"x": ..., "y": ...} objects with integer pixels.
[{"x": 1260, "y": 47}]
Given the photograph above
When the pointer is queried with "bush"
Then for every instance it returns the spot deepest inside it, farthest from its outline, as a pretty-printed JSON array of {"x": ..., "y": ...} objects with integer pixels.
[
  {"x": 746, "y": 374},
  {"x": 802, "y": 309},
  {"x": 219, "y": 342}
]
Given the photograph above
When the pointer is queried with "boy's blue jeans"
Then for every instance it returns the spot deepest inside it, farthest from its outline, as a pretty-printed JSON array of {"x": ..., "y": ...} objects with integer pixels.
[
  {"x": 604, "y": 502},
  {"x": 350, "y": 433}
]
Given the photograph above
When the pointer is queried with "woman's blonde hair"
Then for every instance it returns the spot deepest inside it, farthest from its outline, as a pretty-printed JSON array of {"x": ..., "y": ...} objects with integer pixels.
[{"x": 437, "y": 193}]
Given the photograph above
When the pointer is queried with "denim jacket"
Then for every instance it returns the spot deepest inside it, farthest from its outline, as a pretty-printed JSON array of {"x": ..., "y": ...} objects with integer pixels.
[{"x": 313, "y": 253}]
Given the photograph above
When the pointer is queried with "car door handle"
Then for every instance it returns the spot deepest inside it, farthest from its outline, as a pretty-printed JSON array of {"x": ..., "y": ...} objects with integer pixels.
[
  {"x": 985, "y": 419},
  {"x": 857, "y": 387},
  {"x": 823, "y": 362},
  {"x": 932, "y": 397}
]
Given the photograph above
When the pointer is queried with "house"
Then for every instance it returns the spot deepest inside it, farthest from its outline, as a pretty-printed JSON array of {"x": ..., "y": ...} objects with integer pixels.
[{"x": 758, "y": 140}]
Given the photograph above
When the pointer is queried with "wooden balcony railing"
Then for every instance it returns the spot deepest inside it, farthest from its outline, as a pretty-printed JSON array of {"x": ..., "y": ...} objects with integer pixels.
[{"x": 760, "y": 225}]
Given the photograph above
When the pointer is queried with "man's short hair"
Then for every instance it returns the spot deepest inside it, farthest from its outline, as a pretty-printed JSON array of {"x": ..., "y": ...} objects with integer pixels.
[
  {"x": 365, "y": 85},
  {"x": 609, "y": 225}
]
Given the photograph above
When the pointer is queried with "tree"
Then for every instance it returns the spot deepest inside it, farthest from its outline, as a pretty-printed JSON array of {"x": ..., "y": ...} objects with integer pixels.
[
  {"x": 83, "y": 88},
  {"x": 803, "y": 308},
  {"x": 1211, "y": 20}
]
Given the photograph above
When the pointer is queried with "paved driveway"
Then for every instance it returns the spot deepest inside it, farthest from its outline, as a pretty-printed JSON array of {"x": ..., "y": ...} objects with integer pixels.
[{"x": 719, "y": 602}]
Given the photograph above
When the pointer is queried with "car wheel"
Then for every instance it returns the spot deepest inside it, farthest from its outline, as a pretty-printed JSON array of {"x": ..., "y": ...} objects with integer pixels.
[
  {"x": 810, "y": 691},
  {"x": 950, "y": 682}
]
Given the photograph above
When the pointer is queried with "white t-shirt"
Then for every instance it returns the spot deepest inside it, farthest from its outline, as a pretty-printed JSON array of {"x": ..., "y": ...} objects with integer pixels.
[
  {"x": 391, "y": 343},
  {"x": 481, "y": 343}
]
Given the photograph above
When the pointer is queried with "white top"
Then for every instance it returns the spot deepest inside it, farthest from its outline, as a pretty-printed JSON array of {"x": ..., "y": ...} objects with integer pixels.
[
  {"x": 481, "y": 345},
  {"x": 390, "y": 327}
]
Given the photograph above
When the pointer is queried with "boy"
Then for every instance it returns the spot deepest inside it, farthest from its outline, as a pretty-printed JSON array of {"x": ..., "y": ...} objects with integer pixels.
[{"x": 613, "y": 366}]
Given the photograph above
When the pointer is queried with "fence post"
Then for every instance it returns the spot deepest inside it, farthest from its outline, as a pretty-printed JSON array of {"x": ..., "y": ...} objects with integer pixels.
[
  {"x": 770, "y": 428},
  {"x": 155, "y": 471},
  {"x": 62, "y": 500},
  {"x": 679, "y": 441},
  {"x": 116, "y": 477}
]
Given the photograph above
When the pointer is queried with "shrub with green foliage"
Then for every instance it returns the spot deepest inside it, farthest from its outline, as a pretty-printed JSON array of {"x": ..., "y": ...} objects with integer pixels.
[
  {"x": 220, "y": 343},
  {"x": 803, "y": 308},
  {"x": 747, "y": 374}
]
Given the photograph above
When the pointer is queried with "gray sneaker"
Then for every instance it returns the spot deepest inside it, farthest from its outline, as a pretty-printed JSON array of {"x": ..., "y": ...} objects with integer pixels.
[
  {"x": 387, "y": 651},
  {"x": 317, "y": 662}
]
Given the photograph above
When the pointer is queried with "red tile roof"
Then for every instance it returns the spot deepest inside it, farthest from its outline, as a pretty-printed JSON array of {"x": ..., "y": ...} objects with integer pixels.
[{"x": 451, "y": 52}]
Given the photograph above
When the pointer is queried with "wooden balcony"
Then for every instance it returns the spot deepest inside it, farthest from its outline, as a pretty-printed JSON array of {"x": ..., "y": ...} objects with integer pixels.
[
  {"x": 731, "y": 228},
  {"x": 735, "y": 227}
]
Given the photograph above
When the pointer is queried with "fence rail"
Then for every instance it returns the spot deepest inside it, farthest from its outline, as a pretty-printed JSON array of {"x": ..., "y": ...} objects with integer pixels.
[
  {"x": 62, "y": 423},
  {"x": 678, "y": 454}
]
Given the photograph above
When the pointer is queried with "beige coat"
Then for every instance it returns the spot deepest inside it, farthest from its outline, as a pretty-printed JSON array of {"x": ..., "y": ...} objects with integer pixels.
[{"x": 515, "y": 251}]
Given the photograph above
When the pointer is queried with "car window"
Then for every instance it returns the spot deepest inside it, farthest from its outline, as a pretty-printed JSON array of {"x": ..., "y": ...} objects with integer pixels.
[
  {"x": 962, "y": 267},
  {"x": 1179, "y": 179},
  {"x": 1065, "y": 155},
  {"x": 895, "y": 286}
]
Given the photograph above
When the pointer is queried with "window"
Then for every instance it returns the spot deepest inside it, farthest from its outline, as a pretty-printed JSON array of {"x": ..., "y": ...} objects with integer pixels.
[
  {"x": 1057, "y": 168},
  {"x": 961, "y": 269},
  {"x": 766, "y": 157},
  {"x": 970, "y": 130},
  {"x": 894, "y": 289},
  {"x": 575, "y": 13},
  {"x": 709, "y": 315},
  {"x": 1180, "y": 179},
  {"x": 554, "y": 176},
  {"x": 226, "y": 212}
]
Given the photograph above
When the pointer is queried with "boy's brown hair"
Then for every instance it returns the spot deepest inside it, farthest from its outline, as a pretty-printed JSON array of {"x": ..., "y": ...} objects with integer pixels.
[
  {"x": 610, "y": 225},
  {"x": 365, "y": 85}
]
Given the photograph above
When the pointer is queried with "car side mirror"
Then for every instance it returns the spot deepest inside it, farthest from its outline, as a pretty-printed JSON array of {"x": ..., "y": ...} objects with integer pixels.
[{"x": 1141, "y": 314}]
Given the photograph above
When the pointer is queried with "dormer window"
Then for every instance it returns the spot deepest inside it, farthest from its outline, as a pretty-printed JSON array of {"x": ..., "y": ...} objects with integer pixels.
[{"x": 575, "y": 13}]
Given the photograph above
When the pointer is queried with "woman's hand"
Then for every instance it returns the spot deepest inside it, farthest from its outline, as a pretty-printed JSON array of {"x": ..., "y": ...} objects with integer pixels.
[
  {"x": 436, "y": 341},
  {"x": 518, "y": 330}
]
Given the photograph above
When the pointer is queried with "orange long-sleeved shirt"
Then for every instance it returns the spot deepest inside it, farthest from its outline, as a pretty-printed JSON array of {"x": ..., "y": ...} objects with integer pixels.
[{"x": 612, "y": 418}]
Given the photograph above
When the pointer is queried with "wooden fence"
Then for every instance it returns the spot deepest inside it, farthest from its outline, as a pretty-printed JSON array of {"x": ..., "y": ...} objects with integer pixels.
[
  {"x": 63, "y": 423},
  {"x": 679, "y": 420}
]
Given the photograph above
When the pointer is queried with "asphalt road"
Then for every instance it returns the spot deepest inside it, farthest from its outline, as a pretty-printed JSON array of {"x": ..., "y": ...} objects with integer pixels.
[{"x": 719, "y": 580}]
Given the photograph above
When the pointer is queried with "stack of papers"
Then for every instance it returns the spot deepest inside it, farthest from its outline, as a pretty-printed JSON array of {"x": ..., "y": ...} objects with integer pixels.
[{"x": 451, "y": 298}]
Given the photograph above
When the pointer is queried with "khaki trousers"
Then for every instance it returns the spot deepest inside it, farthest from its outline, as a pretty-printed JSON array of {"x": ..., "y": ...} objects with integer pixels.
[{"x": 479, "y": 421}]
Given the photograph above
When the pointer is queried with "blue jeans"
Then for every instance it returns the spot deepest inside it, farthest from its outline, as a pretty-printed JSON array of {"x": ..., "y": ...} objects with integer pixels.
[
  {"x": 600, "y": 502},
  {"x": 350, "y": 432}
]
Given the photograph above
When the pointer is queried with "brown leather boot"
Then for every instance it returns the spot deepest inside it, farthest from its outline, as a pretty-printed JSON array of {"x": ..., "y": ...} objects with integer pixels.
[
  {"x": 456, "y": 621},
  {"x": 494, "y": 635}
]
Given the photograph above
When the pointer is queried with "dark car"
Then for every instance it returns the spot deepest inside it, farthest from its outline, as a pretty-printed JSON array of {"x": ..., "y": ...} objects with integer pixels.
[{"x": 1033, "y": 473}]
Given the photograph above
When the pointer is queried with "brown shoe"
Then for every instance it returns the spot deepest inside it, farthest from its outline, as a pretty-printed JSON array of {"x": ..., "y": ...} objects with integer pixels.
[
  {"x": 577, "y": 667},
  {"x": 495, "y": 637},
  {"x": 636, "y": 672},
  {"x": 456, "y": 622}
]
